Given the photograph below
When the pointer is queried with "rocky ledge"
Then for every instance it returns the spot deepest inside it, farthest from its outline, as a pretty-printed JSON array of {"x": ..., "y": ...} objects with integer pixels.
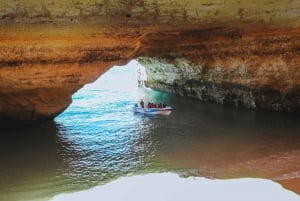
[
  {"x": 233, "y": 66},
  {"x": 40, "y": 70},
  {"x": 242, "y": 53}
]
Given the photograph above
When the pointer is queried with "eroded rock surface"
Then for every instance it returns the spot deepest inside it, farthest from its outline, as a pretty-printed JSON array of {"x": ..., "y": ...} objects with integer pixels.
[
  {"x": 39, "y": 71},
  {"x": 242, "y": 53},
  {"x": 235, "y": 66}
]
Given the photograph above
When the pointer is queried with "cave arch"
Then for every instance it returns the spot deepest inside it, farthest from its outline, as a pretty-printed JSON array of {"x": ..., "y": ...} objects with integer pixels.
[{"x": 259, "y": 69}]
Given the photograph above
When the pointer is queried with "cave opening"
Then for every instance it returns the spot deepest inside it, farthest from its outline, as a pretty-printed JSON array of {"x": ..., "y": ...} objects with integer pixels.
[
  {"x": 114, "y": 92},
  {"x": 119, "y": 85}
]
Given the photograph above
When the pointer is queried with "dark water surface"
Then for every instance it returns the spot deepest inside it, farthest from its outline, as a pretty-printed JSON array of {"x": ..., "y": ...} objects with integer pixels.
[{"x": 98, "y": 139}]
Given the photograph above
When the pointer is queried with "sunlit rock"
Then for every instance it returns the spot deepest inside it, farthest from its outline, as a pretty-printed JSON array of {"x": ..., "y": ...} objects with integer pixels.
[{"x": 242, "y": 53}]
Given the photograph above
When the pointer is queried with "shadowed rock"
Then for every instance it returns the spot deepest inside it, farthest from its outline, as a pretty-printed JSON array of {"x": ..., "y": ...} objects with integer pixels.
[{"x": 239, "y": 53}]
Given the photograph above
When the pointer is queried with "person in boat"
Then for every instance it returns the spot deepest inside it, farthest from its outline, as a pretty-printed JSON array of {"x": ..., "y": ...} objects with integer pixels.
[
  {"x": 164, "y": 105},
  {"x": 142, "y": 104}
]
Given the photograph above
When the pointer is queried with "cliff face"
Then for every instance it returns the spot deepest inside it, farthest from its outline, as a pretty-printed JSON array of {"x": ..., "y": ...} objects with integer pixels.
[
  {"x": 145, "y": 12},
  {"x": 236, "y": 66},
  {"x": 243, "y": 53},
  {"x": 41, "y": 70}
]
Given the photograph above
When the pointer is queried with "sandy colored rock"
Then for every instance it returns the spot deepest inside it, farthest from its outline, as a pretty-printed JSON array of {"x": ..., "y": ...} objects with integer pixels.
[
  {"x": 227, "y": 65},
  {"x": 242, "y": 53}
]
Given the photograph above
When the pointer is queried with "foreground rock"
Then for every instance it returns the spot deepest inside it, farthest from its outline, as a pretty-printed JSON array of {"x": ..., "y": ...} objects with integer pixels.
[
  {"x": 40, "y": 71},
  {"x": 240, "y": 53}
]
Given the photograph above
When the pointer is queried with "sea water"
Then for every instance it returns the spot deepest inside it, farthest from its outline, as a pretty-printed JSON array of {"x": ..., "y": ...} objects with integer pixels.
[{"x": 99, "y": 141}]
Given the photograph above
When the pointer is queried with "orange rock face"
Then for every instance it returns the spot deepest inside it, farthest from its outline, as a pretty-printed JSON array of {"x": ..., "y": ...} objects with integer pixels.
[
  {"x": 42, "y": 66},
  {"x": 40, "y": 71},
  {"x": 242, "y": 53}
]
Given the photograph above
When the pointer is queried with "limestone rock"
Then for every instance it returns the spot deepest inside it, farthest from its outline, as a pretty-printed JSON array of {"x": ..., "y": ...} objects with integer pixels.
[
  {"x": 244, "y": 53},
  {"x": 228, "y": 65}
]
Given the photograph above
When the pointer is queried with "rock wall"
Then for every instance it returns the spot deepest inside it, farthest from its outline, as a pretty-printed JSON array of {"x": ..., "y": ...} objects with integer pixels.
[
  {"x": 41, "y": 69},
  {"x": 244, "y": 53},
  {"x": 240, "y": 67},
  {"x": 228, "y": 65},
  {"x": 142, "y": 12}
]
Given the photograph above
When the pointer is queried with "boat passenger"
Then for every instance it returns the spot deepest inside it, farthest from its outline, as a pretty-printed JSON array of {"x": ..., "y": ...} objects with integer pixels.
[{"x": 142, "y": 103}]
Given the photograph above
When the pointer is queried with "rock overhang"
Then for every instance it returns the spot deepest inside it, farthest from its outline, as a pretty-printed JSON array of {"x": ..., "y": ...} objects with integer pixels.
[{"x": 58, "y": 46}]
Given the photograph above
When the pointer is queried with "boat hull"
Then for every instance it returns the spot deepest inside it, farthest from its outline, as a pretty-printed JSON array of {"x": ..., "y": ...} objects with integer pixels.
[{"x": 161, "y": 111}]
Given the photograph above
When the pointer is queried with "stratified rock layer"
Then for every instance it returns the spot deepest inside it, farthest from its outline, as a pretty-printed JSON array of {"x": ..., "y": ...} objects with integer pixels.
[
  {"x": 39, "y": 71},
  {"x": 244, "y": 53},
  {"x": 236, "y": 66}
]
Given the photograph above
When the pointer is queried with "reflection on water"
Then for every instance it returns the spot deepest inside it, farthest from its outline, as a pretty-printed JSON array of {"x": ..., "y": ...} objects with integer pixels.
[
  {"x": 29, "y": 162},
  {"x": 99, "y": 139}
]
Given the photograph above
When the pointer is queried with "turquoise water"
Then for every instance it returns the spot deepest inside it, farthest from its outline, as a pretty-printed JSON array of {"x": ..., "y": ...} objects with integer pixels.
[{"x": 99, "y": 139}]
